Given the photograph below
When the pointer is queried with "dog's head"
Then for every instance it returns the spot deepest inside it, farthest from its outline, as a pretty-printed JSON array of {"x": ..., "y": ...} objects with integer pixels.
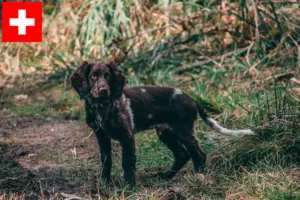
[
  {"x": 99, "y": 81},
  {"x": 104, "y": 81},
  {"x": 79, "y": 82}
]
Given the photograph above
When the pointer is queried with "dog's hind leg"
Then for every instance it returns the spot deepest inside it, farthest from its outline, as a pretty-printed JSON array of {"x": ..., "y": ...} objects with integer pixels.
[
  {"x": 187, "y": 138},
  {"x": 181, "y": 156}
]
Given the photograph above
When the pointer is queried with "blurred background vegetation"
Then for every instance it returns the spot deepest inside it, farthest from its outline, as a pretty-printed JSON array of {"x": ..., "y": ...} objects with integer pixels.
[
  {"x": 208, "y": 48},
  {"x": 240, "y": 59}
]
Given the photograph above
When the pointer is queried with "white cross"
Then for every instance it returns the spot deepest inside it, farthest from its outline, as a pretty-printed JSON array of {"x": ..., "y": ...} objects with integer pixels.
[{"x": 21, "y": 22}]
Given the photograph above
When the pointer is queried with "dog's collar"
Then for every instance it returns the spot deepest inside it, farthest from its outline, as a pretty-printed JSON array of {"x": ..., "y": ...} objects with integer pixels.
[
  {"x": 97, "y": 105},
  {"x": 102, "y": 104}
]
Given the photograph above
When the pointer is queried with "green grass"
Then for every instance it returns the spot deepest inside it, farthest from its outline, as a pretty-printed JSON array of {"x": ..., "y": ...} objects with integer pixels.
[
  {"x": 192, "y": 56},
  {"x": 62, "y": 103},
  {"x": 255, "y": 167},
  {"x": 54, "y": 157}
]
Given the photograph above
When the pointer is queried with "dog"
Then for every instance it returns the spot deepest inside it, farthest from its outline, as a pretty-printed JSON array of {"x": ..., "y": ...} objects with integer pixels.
[{"x": 114, "y": 111}]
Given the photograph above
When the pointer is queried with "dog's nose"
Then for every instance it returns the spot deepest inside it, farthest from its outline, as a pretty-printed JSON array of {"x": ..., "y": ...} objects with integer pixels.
[{"x": 103, "y": 91}]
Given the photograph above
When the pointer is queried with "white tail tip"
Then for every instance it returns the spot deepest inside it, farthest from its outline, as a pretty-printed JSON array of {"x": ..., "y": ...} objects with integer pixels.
[{"x": 237, "y": 133}]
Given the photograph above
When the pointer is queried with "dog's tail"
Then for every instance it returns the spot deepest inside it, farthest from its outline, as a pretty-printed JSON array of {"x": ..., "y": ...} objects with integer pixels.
[{"x": 217, "y": 127}]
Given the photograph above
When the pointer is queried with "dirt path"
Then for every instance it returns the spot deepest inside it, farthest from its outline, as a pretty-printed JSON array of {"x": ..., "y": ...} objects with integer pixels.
[
  {"x": 46, "y": 157},
  {"x": 45, "y": 154}
]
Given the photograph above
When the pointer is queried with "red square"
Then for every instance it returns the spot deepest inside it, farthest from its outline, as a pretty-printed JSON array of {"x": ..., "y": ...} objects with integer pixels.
[{"x": 22, "y": 22}]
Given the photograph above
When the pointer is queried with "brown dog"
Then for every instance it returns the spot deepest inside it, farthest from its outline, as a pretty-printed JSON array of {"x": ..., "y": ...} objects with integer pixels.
[{"x": 117, "y": 112}]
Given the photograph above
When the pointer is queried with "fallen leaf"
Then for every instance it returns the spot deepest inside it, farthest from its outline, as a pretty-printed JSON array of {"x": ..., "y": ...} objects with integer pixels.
[{"x": 22, "y": 100}]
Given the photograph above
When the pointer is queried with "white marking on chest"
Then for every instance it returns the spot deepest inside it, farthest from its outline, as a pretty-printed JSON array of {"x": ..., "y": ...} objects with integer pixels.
[
  {"x": 143, "y": 90},
  {"x": 98, "y": 119},
  {"x": 176, "y": 92}
]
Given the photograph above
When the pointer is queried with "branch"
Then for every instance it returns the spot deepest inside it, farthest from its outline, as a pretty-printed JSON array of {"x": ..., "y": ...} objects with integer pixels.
[
  {"x": 209, "y": 60},
  {"x": 71, "y": 196},
  {"x": 280, "y": 1}
]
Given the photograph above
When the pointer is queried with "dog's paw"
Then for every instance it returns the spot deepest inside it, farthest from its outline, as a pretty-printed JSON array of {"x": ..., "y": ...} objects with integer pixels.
[
  {"x": 129, "y": 178},
  {"x": 165, "y": 175},
  {"x": 105, "y": 180}
]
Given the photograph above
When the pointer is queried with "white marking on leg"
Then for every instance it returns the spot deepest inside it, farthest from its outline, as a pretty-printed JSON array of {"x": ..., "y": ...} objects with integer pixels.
[
  {"x": 150, "y": 116},
  {"x": 143, "y": 90},
  {"x": 237, "y": 133}
]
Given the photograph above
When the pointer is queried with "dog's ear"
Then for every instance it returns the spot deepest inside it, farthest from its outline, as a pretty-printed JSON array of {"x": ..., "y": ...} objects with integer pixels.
[
  {"x": 118, "y": 81},
  {"x": 79, "y": 81}
]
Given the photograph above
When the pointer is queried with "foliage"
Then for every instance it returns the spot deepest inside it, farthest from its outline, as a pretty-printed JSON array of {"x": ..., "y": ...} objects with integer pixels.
[{"x": 239, "y": 59}]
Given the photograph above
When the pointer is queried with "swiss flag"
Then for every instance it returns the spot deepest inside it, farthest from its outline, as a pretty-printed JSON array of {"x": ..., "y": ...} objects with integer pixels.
[{"x": 21, "y": 21}]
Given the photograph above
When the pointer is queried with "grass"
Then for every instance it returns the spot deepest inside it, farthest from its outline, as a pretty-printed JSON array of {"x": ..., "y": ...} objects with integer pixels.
[
  {"x": 226, "y": 176},
  {"x": 264, "y": 166},
  {"x": 238, "y": 69}
]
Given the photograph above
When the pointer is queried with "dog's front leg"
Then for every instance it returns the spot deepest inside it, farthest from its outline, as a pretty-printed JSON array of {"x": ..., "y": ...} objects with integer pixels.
[
  {"x": 105, "y": 152},
  {"x": 128, "y": 158},
  {"x": 104, "y": 143}
]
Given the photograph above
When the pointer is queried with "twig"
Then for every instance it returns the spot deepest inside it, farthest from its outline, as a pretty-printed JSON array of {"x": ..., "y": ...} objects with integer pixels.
[
  {"x": 298, "y": 66},
  {"x": 147, "y": 31},
  {"x": 167, "y": 13},
  {"x": 294, "y": 80},
  {"x": 276, "y": 17},
  {"x": 212, "y": 59},
  {"x": 174, "y": 25},
  {"x": 257, "y": 35},
  {"x": 280, "y": 77},
  {"x": 270, "y": 55},
  {"x": 297, "y": 99},
  {"x": 280, "y": 1},
  {"x": 71, "y": 197},
  {"x": 248, "y": 61},
  {"x": 248, "y": 53}
]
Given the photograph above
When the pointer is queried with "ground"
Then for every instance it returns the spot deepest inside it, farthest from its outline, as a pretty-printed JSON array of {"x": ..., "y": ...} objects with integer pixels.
[
  {"x": 44, "y": 157},
  {"x": 48, "y": 153},
  {"x": 50, "y": 157},
  {"x": 238, "y": 59}
]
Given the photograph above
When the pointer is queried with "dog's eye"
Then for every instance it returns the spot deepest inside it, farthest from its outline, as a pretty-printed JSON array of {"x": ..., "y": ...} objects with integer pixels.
[
  {"x": 75, "y": 76},
  {"x": 93, "y": 77}
]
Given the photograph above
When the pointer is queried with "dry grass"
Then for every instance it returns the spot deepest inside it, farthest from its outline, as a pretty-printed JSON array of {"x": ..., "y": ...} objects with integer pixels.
[{"x": 240, "y": 60}]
